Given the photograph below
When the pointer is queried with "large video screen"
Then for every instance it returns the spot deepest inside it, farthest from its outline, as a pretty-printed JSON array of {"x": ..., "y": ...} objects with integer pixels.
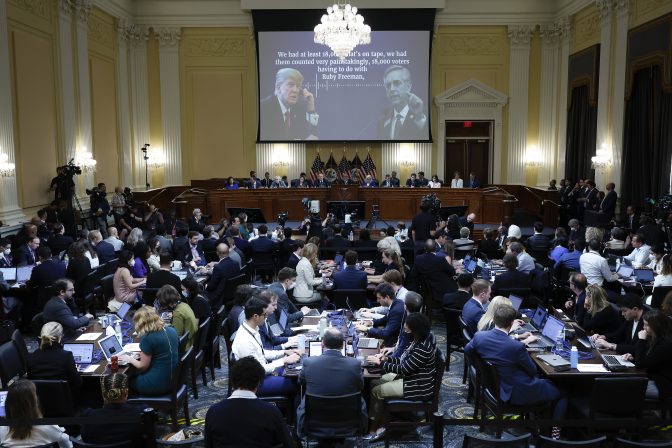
[{"x": 379, "y": 93}]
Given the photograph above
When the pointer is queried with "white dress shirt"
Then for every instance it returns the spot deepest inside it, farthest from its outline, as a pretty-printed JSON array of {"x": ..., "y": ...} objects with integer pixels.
[
  {"x": 240, "y": 393},
  {"x": 248, "y": 343},
  {"x": 596, "y": 268},
  {"x": 456, "y": 183},
  {"x": 640, "y": 255},
  {"x": 525, "y": 262}
]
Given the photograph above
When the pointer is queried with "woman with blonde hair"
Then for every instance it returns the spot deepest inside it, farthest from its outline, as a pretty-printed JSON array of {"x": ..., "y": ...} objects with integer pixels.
[
  {"x": 51, "y": 362},
  {"x": 449, "y": 250},
  {"x": 485, "y": 323},
  {"x": 22, "y": 404},
  {"x": 391, "y": 260},
  {"x": 304, "y": 290},
  {"x": 158, "y": 355},
  {"x": 601, "y": 317}
]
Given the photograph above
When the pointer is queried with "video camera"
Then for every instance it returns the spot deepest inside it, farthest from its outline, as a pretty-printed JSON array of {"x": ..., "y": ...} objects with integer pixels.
[
  {"x": 282, "y": 218},
  {"x": 70, "y": 169}
]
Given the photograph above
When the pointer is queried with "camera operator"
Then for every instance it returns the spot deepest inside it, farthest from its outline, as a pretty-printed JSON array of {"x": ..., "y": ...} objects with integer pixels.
[
  {"x": 152, "y": 219},
  {"x": 423, "y": 225},
  {"x": 62, "y": 185},
  {"x": 100, "y": 207},
  {"x": 130, "y": 199}
]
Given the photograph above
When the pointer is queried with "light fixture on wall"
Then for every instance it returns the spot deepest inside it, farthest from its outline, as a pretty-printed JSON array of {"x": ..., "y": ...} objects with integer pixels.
[
  {"x": 280, "y": 155},
  {"x": 7, "y": 169},
  {"x": 86, "y": 161},
  {"x": 156, "y": 158},
  {"x": 533, "y": 158},
  {"x": 602, "y": 160},
  {"x": 342, "y": 29},
  {"x": 406, "y": 156}
]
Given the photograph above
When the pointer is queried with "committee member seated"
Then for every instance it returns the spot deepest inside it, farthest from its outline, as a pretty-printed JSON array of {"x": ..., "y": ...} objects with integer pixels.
[
  {"x": 248, "y": 343},
  {"x": 624, "y": 339},
  {"x": 330, "y": 375},
  {"x": 512, "y": 278},
  {"x": 391, "y": 322},
  {"x": 158, "y": 357},
  {"x": 577, "y": 304},
  {"x": 457, "y": 299},
  {"x": 350, "y": 277},
  {"x": 243, "y": 420},
  {"x": 520, "y": 384},
  {"x": 601, "y": 317},
  {"x": 475, "y": 307},
  {"x": 640, "y": 252},
  {"x": 176, "y": 313},
  {"x": 224, "y": 270},
  {"x": 321, "y": 182},
  {"x": 51, "y": 362},
  {"x": 58, "y": 310},
  {"x": 436, "y": 271},
  {"x": 114, "y": 388},
  {"x": 410, "y": 376}
]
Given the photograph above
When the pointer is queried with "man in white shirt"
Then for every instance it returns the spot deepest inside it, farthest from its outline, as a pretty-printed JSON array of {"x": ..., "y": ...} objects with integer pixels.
[
  {"x": 640, "y": 254},
  {"x": 393, "y": 277},
  {"x": 595, "y": 267},
  {"x": 525, "y": 261},
  {"x": 248, "y": 343},
  {"x": 113, "y": 239}
]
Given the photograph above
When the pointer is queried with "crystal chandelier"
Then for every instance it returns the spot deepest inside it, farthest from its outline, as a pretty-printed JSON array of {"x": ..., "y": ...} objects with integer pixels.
[{"x": 342, "y": 29}]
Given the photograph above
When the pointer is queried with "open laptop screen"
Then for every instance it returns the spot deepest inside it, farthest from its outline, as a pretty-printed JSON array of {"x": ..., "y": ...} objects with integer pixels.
[
  {"x": 9, "y": 274},
  {"x": 110, "y": 346},
  {"x": 83, "y": 353},
  {"x": 538, "y": 317},
  {"x": 123, "y": 310},
  {"x": 515, "y": 301},
  {"x": 644, "y": 275},
  {"x": 625, "y": 271},
  {"x": 23, "y": 273},
  {"x": 552, "y": 327}
]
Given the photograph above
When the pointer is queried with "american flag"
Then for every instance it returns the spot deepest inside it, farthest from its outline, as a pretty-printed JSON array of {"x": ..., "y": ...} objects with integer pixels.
[
  {"x": 343, "y": 166},
  {"x": 317, "y": 167},
  {"x": 369, "y": 167},
  {"x": 357, "y": 165}
]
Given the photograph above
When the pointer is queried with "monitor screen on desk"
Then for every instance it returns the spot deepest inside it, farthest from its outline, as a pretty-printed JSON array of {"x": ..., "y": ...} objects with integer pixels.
[
  {"x": 644, "y": 275},
  {"x": 23, "y": 273},
  {"x": 552, "y": 327},
  {"x": 9, "y": 274},
  {"x": 538, "y": 317}
]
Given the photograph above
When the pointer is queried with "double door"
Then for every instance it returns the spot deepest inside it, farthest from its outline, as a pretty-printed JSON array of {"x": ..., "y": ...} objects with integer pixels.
[{"x": 468, "y": 149}]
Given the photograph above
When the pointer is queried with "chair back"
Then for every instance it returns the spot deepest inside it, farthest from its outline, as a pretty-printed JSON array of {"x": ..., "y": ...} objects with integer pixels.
[
  {"x": 110, "y": 267},
  {"x": 107, "y": 286},
  {"x": 201, "y": 337},
  {"x": 440, "y": 365},
  {"x": 90, "y": 282},
  {"x": 231, "y": 285},
  {"x": 477, "y": 441},
  {"x": 453, "y": 334},
  {"x": 55, "y": 398},
  {"x": 11, "y": 364},
  {"x": 621, "y": 397},
  {"x": 490, "y": 380},
  {"x": 465, "y": 328},
  {"x": 20, "y": 343},
  {"x": 659, "y": 295},
  {"x": 356, "y": 298},
  {"x": 183, "y": 343},
  {"x": 333, "y": 417},
  {"x": 548, "y": 442},
  {"x": 227, "y": 331},
  {"x": 182, "y": 373}
]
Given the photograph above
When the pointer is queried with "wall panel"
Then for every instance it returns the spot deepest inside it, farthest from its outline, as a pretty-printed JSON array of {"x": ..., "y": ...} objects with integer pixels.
[{"x": 104, "y": 121}]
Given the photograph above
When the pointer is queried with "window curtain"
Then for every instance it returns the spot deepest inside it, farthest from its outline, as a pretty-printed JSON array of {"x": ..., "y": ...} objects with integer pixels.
[
  {"x": 581, "y": 135},
  {"x": 647, "y": 139}
]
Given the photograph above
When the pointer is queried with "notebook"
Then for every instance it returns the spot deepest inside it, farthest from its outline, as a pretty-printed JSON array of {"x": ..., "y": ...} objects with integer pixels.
[
  {"x": 9, "y": 274},
  {"x": 549, "y": 333},
  {"x": 515, "y": 302},
  {"x": 82, "y": 352},
  {"x": 644, "y": 275}
]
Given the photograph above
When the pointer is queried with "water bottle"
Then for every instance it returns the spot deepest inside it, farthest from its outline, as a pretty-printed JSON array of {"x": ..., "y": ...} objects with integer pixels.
[
  {"x": 560, "y": 341},
  {"x": 351, "y": 236},
  {"x": 574, "y": 358},
  {"x": 322, "y": 326},
  {"x": 117, "y": 331}
]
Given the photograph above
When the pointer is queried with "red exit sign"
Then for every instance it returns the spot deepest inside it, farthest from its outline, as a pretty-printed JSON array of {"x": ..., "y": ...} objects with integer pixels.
[{"x": 467, "y": 124}]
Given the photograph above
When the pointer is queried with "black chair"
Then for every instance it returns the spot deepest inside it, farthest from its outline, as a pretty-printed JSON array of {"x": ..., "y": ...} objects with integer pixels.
[
  {"x": 227, "y": 331},
  {"x": 107, "y": 287},
  {"x": 613, "y": 399},
  {"x": 328, "y": 418},
  {"x": 177, "y": 395},
  {"x": 11, "y": 364},
  {"x": 355, "y": 297},
  {"x": 230, "y": 288},
  {"x": 400, "y": 405},
  {"x": 618, "y": 252},
  {"x": 453, "y": 334},
  {"x": 182, "y": 346},
  {"x": 55, "y": 398},
  {"x": 20, "y": 343},
  {"x": 659, "y": 295},
  {"x": 263, "y": 262},
  {"x": 477, "y": 441},
  {"x": 212, "y": 355},
  {"x": 79, "y": 443},
  {"x": 37, "y": 322},
  {"x": 623, "y": 443},
  {"x": 148, "y": 295},
  {"x": 197, "y": 363},
  {"x": 475, "y": 388},
  {"x": 547, "y": 442},
  {"x": 110, "y": 267}
]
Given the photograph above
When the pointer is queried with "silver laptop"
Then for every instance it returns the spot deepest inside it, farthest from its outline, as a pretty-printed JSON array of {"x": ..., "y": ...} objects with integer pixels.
[
  {"x": 279, "y": 328},
  {"x": 625, "y": 271},
  {"x": 367, "y": 343},
  {"x": 111, "y": 347},
  {"x": 9, "y": 274},
  {"x": 122, "y": 312},
  {"x": 515, "y": 302},
  {"x": 23, "y": 273},
  {"x": 549, "y": 333},
  {"x": 83, "y": 353},
  {"x": 554, "y": 360},
  {"x": 537, "y": 322}
]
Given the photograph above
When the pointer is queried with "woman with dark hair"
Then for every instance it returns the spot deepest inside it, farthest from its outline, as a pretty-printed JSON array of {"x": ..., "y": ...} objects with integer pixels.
[
  {"x": 79, "y": 265},
  {"x": 240, "y": 297},
  {"x": 410, "y": 376},
  {"x": 125, "y": 286},
  {"x": 561, "y": 248},
  {"x": 231, "y": 183},
  {"x": 140, "y": 253},
  {"x": 22, "y": 404},
  {"x": 453, "y": 227},
  {"x": 51, "y": 362},
  {"x": 653, "y": 352},
  {"x": 175, "y": 313},
  {"x": 192, "y": 292}
]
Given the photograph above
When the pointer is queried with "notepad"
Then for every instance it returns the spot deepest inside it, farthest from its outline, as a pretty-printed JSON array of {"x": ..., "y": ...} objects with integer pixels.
[
  {"x": 591, "y": 368},
  {"x": 89, "y": 336},
  {"x": 305, "y": 328},
  {"x": 89, "y": 369}
]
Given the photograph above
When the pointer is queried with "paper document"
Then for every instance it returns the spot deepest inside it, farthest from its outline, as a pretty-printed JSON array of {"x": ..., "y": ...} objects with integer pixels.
[
  {"x": 132, "y": 347},
  {"x": 305, "y": 328},
  {"x": 89, "y": 336},
  {"x": 89, "y": 369},
  {"x": 591, "y": 368}
]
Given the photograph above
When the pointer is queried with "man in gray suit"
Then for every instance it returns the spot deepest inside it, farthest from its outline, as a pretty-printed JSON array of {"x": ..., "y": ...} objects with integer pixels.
[
  {"x": 286, "y": 280},
  {"x": 331, "y": 374},
  {"x": 57, "y": 310}
]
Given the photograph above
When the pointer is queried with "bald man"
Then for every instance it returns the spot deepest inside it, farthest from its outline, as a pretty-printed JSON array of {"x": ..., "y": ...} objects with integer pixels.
[{"x": 225, "y": 269}]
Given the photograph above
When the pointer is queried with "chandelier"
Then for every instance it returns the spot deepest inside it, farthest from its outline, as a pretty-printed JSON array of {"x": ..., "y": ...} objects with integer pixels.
[{"x": 342, "y": 29}]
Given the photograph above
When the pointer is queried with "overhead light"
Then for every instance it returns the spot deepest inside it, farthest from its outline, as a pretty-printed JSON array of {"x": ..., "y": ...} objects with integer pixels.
[
  {"x": 7, "y": 169},
  {"x": 533, "y": 158},
  {"x": 86, "y": 161},
  {"x": 602, "y": 160},
  {"x": 342, "y": 29}
]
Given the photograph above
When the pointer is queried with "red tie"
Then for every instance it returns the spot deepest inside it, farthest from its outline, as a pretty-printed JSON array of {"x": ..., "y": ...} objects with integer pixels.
[{"x": 287, "y": 124}]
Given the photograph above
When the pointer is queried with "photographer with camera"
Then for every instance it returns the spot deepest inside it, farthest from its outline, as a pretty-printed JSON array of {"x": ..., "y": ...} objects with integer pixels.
[
  {"x": 153, "y": 218},
  {"x": 100, "y": 207},
  {"x": 62, "y": 185}
]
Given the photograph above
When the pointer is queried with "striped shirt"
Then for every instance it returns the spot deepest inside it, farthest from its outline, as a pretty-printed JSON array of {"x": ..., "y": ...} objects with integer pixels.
[{"x": 418, "y": 367}]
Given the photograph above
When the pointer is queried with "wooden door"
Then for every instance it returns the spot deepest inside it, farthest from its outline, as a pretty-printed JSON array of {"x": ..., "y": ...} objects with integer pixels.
[{"x": 468, "y": 148}]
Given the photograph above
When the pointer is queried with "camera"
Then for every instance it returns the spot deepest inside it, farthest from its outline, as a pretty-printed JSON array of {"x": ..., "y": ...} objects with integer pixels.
[
  {"x": 282, "y": 218},
  {"x": 70, "y": 169},
  {"x": 92, "y": 191}
]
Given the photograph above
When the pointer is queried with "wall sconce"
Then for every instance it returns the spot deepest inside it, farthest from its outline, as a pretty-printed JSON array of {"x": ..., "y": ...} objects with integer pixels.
[
  {"x": 86, "y": 161},
  {"x": 155, "y": 158},
  {"x": 7, "y": 169},
  {"x": 532, "y": 158},
  {"x": 280, "y": 155},
  {"x": 602, "y": 160},
  {"x": 407, "y": 156}
]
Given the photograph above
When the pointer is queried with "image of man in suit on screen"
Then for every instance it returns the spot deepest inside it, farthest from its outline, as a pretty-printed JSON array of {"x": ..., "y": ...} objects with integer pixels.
[
  {"x": 406, "y": 120},
  {"x": 290, "y": 113}
]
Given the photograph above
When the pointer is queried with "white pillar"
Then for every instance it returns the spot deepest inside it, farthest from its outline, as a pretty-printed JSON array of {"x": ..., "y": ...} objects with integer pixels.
[
  {"x": 277, "y": 158},
  {"x": 10, "y": 212},
  {"x": 406, "y": 158},
  {"x": 604, "y": 86},
  {"x": 67, "y": 121},
  {"x": 562, "y": 97},
  {"x": 140, "y": 101},
  {"x": 548, "y": 100},
  {"x": 85, "y": 136},
  {"x": 618, "y": 94},
  {"x": 519, "y": 74},
  {"x": 124, "y": 109},
  {"x": 169, "y": 59}
]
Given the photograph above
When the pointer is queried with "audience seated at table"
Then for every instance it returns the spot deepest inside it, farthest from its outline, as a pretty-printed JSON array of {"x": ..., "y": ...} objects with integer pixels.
[
  {"x": 270, "y": 340},
  {"x": 89, "y": 252},
  {"x": 412, "y": 304},
  {"x": 576, "y": 305},
  {"x": 600, "y": 317},
  {"x": 124, "y": 285},
  {"x": 114, "y": 389},
  {"x": 457, "y": 299},
  {"x": 350, "y": 277},
  {"x": 391, "y": 261},
  {"x": 158, "y": 355},
  {"x": 141, "y": 252},
  {"x": 22, "y": 403},
  {"x": 79, "y": 265},
  {"x": 48, "y": 271},
  {"x": 163, "y": 275},
  {"x": 222, "y": 271},
  {"x": 194, "y": 297},
  {"x": 242, "y": 294},
  {"x": 512, "y": 277},
  {"x": 488, "y": 245},
  {"x": 286, "y": 281},
  {"x": 570, "y": 261},
  {"x": 57, "y": 309},
  {"x": 525, "y": 261},
  {"x": 51, "y": 362},
  {"x": 391, "y": 322},
  {"x": 475, "y": 307},
  {"x": 176, "y": 313},
  {"x": 190, "y": 251},
  {"x": 560, "y": 249},
  {"x": 624, "y": 339},
  {"x": 410, "y": 376},
  {"x": 295, "y": 256},
  {"x": 25, "y": 254},
  {"x": 243, "y": 420},
  {"x": 154, "y": 258},
  {"x": 304, "y": 290},
  {"x": 248, "y": 343},
  {"x": 104, "y": 250},
  {"x": 59, "y": 242},
  {"x": 640, "y": 252},
  {"x": 594, "y": 266},
  {"x": 394, "y": 278},
  {"x": 486, "y": 321}
]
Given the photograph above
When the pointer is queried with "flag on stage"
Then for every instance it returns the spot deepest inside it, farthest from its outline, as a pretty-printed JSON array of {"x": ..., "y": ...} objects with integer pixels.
[
  {"x": 358, "y": 168},
  {"x": 343, "y": 166},
  {"x": 316, "y": 168},
  {"x": 369, "y": 167}
]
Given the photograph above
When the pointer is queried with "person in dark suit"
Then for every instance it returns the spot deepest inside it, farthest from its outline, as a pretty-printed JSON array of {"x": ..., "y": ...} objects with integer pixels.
[
  {"x": 387, "y": 182},
  {"x": 225, "y": 269},
  {"x": 365, "y": 240},
  {"x": 179, "y": 242},
  {"x": 263, "y": 248},
  {"x": 436, "y": 271},
  {"x": 472, "y": 182},
  {"x": 457, "y": 299},
  {"x": 5, "y": 253},
  {"x": 250, "y": 422},
  {"x": 330, "y": 375},
  {"x": 286, "y": 280},
  {"x": 104, "y": 249},
  {"x": 577, "y": 284},
  {"x": 196, "y": 221},
  {"x": 163, "y": 276},
  {"x": 413, "y": 181},
  {"x": 468, "y": 222},
  {"x": 57, "y": 310},
  {"x": 285, "y": 246},
  {"x": 26, "y": 253},
  {"x": 488, "y": 246},
  {"x": 350, "y": 277},
  {"x": 474, "y": 308},
  {"x": 191, "y": 251},
  {"x": 115, "y": 395},
  {"x": 520, "y": 384},
  {"x": 294, "y": 258},
  {"x": 321, "y": 182},
  {"x": 512, "y": 278},
  {"x": 51, "y": 362},
  {"x": 539, "y": 245},
  {"x": 48, "y": 271},
  {"x": 406, "y": 120},
  {"x": 624, "y": 339},
  {"x": 269, "y": 340},
  {"x": 395, "y": 180},
  {"x": 632, "y": 219},
  {"x": 391, "y": 322},
  {"x": 79, "y": 265},
  {"x": 340, "y": 239},
  {"x": 241, "y": 243},
  {"x": 289, "y": 114},
  {"x": 59, "y": 242},
  {"x": 608, "y": 204}
]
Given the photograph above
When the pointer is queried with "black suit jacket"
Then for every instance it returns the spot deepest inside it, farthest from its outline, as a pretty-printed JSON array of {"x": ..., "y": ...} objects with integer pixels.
[
  {"x": 437, "y": 272},
  {"x": 54, "y": 364},
  {"x": 57, "y": 311},
  {"x": 47, "y": 273},
  {"x": 262, "y": 245},
  {"x": 159, "y": 278},
  {"x": 409, "y": 129},
  {"x": 187, "y": 256},
  {"x": 77, "y": 271},
  {"x": 100, "y": 433},
  {"x": 105, "y": 251},
  {"x": 323, "y": 184},
  {"x": 338, "y": 242},
  {"x": 224, "y": 270},
  {"x": 491, "y": 249},
  {"x": 456, "y": 300},
  {"x": 538, "y": 244},
  {"x": 608, "y": 205},
  {"x": 623, "y": 337},
  {"x": 272, "y": 122},
  {"x": 292, "y": 261},
  {"x": 511, "y": 279},
  {"x": 59, "y": 243},
  {"x": 24, "y": 256}
]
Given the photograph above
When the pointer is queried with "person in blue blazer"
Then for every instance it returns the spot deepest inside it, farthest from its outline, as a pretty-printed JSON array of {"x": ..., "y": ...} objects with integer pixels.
[
  {"x": 520, "y": 384},
  {"x": 104, "y": 249},
  {"x": 391, "y": 322},
  {"x": 48, "y": 271},
  {"x": 475, "y": 307},
  {"x": 350, "y": 277}
]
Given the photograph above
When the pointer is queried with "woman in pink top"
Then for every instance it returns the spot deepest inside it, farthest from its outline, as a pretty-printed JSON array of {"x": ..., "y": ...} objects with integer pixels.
[{"x": 125, "y": 286}]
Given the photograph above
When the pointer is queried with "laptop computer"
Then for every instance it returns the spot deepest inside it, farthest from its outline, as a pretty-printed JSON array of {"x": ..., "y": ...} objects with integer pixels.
[
  {"x": 122, "y": 312},
  {"x": 625, "y": 271},
  {"x": 537, "y": 322},
  {"x": 470, "y": 266},
  {"x": 3, "y": 398},
  {"x": 644, "y": 275},
  {"x": 9, "y": 274},
  {"x": 615, "y": 363},
  {"x": 23, "y": 273},
  {"x": 82, "y": 352},
  {"x": 549, "y": 333},
  {"x": 554, "y": 360},
  {"x": 111, "y": 347},
  {"x": 515, "y": 302},
  {"x": 278, "y": 328},
  {"x": 367, "y": 343}
]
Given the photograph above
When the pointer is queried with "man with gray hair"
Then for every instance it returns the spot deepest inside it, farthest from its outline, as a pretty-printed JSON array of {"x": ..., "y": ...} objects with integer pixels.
[
  {"x": 406, "y": 120},
  {"x": 288, "y": 114}
]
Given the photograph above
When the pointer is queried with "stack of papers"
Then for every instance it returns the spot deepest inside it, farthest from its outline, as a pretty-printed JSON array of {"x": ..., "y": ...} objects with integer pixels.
[
  {"x": 89, "y": 336},
  {"x": 591, "y": 368}
]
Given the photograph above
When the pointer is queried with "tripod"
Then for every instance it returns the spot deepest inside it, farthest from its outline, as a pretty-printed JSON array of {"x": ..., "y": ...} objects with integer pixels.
[
  {"x": 145, "y": 157},
  {"x": 375, "y": 217}
]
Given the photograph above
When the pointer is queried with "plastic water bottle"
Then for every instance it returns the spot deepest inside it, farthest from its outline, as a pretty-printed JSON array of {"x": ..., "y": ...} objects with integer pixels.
[
  {"x": 117, "y": 331},
  {"x": 574, "y": 358},
  {"x": 560, "y": 340},
  {"x": 351, "y": 236}
]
